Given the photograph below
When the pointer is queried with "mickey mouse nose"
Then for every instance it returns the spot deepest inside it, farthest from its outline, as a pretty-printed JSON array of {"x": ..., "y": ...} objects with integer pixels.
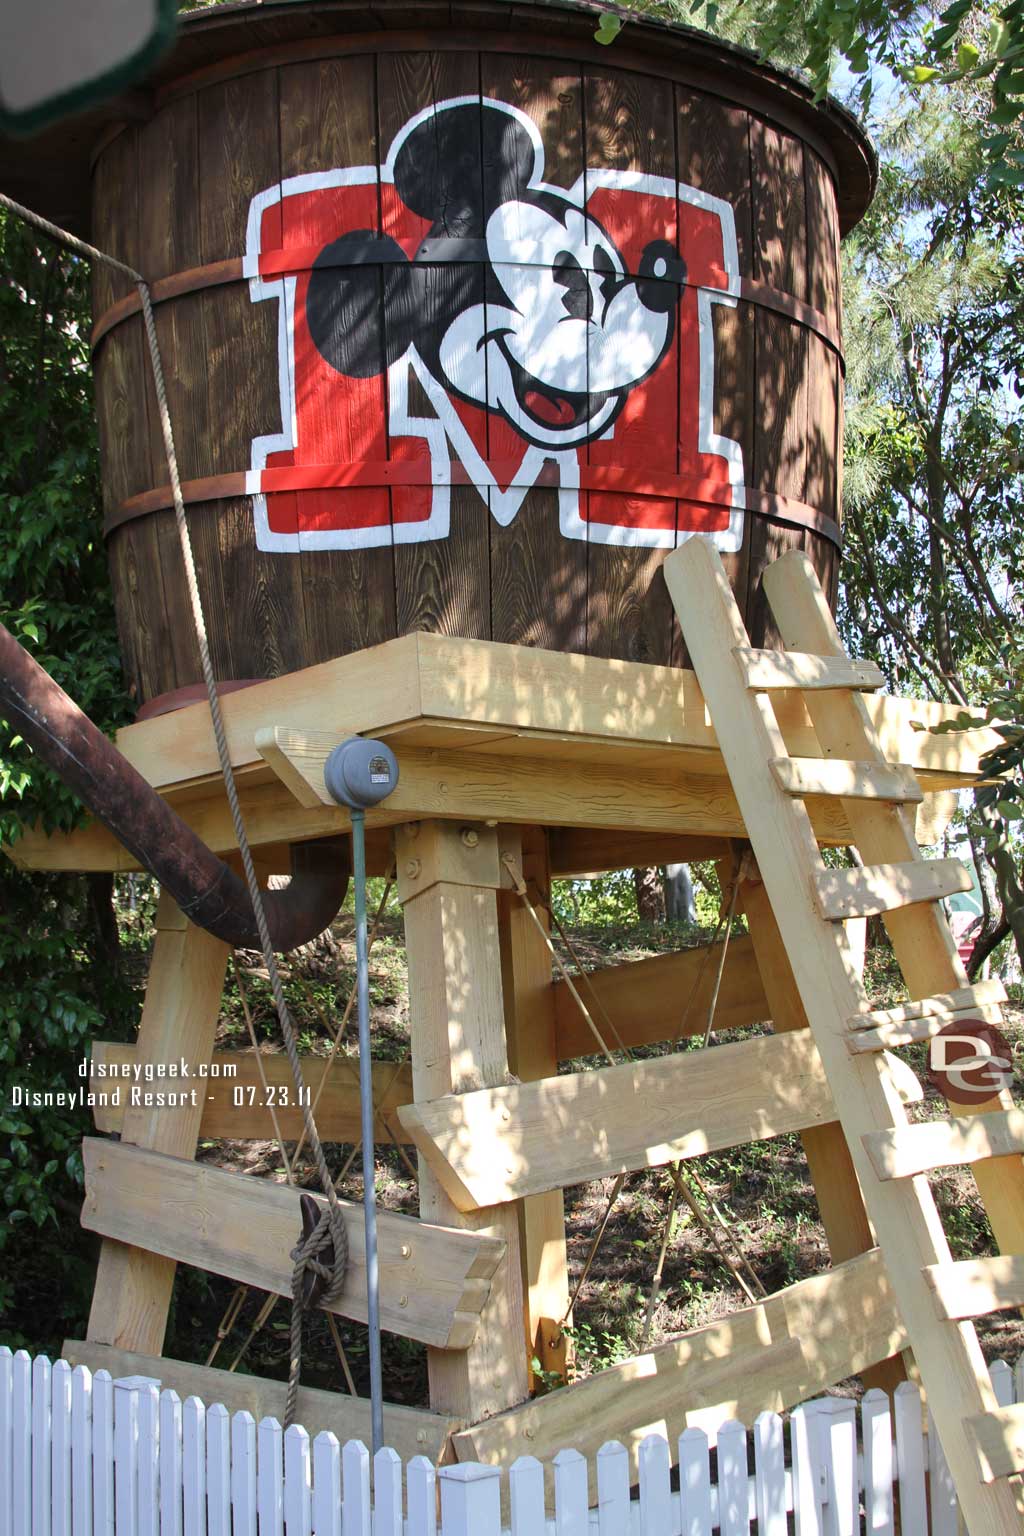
[{"x": 662, "y": 270}]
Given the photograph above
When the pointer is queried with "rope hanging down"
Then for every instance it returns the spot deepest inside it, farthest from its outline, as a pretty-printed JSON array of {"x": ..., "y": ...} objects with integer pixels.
[{"x": 329, "y": 1237}]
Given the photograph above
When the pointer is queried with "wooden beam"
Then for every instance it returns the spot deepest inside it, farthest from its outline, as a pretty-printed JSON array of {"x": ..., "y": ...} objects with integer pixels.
[
  {"x": 235, "y": 1076},
  {"x": 409, "y": 1431},
  {"x": 907, "y": 1150},
  {"x": 856, "y": 781},
  {"x": 972, "y": 1288},
  {"x": 879, "y": 888},
  {"x": 646, "y": 999},
  {"x": 999, "y": 1439},
  {"x": 132, "y": 1293},
  {"x": 798, "y": 669},
  {"x": 434, "y": 1281},
  {"x": 769, "y": 1356},
  {"x": 457, "y": 1027},
  {"x": 532, "y": 1055},
  {"x": 500, "y": 1144},
  {"x": 943, "y": 1006},
  {"x": 577, "y": 851}
]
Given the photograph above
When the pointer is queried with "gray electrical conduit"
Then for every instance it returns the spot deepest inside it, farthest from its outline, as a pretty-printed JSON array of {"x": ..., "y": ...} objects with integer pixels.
[{"x": 208, "y": 892}]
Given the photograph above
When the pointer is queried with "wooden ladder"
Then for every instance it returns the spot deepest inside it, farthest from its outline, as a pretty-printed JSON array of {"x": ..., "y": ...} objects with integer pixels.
[{"x": 984, "y": 1445}]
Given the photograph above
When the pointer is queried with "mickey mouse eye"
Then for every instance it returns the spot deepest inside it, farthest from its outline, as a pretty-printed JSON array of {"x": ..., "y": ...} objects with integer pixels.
[
  {"x": 605, "y": 268},
  {"x": 578, "y": 300},
  {"x": 662, "y": 271}
]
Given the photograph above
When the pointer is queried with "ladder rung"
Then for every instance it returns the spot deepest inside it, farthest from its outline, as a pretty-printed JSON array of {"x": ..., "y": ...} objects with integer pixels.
[
  {"x": 944, "y": 1005},
  {"x": 799, "y": 669},
  {"x": 998, "y": 1438},
  {"x": 903, "y": 1151},
  {"x": 974, "y": 1287},
  {"x": 842, "y": 893},
  {"x": 892, "y": 1036},
  {"x": 851, "y": 781}
]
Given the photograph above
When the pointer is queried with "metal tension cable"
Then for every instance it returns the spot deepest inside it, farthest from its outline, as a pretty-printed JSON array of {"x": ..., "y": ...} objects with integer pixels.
[{"x": 360, "y": 774}]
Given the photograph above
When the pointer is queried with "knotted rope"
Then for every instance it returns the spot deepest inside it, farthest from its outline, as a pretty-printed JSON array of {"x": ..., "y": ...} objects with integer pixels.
[{"x": 332, "y": 1221}]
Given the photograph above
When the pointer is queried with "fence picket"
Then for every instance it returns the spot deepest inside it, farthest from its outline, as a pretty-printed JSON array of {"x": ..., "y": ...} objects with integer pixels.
[
  {"x": 60, "y": 1447},
  {"x": 526, "y": 1496},
  {"x": 269, "y": 1486},
  {"x": 770, "y": 1475},
  {"x": 655, "y": 1488},
  {"x": 613, "y": 1512},
  {"x": 1018, "y": 1380},
  {"x": 910, "y": 1457},
  {"x": 694, "y": 1483},
  {"x": 172, "y": 1501},
  {"x": 876, "y": 1434},
  {"x": 102, "y": 1454},
  {"x": 243, "y": 1474},
  {"x": 218, "y": 1470},
  {"x": 387, "y": 1493},
  {"x": 1001, "y": 1378},
  {"x": 422, "y": 1497},
  {"x": 572, "y": 1512},
  {"x": 945, "y": 1507},
  {"x": 148, "y": 1415},
  {"x": 810, "y": 1481},
  {"x": 471, "y": 1500},
  {"x": 21, "y": 1443},
  {"x": 81, "y": 1451},
  {"x": 298, "y": 1493},
  {"x": 42, "y": 1372},
  {"x": 733, "y": 1492},
  {"x": 355, "y": 1474},
  {"x": 126, "y": 1450},
  {"x": 193, "y": 1465},
  {"x": 6, "y": 1441},
  {"x": 842, "y": 1512}
]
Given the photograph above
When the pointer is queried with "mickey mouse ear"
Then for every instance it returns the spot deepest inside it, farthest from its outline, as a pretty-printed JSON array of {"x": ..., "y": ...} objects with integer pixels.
[
  {"x": 357, "y": 334},
  {"x": 459, "y": 164}
]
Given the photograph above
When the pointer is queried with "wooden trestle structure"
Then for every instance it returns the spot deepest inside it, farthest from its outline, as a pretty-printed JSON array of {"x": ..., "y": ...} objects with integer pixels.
[{"x": 519, "y": 761}]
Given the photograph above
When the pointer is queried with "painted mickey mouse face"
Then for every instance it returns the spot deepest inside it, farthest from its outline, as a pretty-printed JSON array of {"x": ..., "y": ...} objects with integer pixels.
[{"x": 553, "y": 334}]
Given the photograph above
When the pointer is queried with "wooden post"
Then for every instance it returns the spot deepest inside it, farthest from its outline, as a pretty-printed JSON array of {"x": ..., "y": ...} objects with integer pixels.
[
  {"x": 179, "y": 1022},
  {"x": 448, "y": 880},
  {"x": 532, "y": 1049},
  {"x": 840, "y": 1202}
]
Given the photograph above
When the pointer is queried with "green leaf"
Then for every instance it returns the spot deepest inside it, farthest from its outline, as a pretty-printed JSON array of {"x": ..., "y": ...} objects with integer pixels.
[
  {"x": 920, "y": 74},
  {"x": 609, "y": 28},
  {"x": 967, "y": 56}
]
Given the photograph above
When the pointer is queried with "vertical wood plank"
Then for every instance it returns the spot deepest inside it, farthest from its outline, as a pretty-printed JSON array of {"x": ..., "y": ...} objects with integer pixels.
[
  {"x": 81, "y": 1451},
  {"x": 387, "y": 1493},
  {"x": 193, "y": 1466},
  {"x": 218, "y": 1470},
  {"x": 526, "y": 1496},
  {"x": 356, "y": 1507},
  {"x": 422, "y": 1500},
  {"x": 243, "y": 1477},
  {"x": 694, "y": 1483},
  {"x": 21, "y": 1442},
  {"x": 41, "y": 1446},
  {"x": 470, "y": 1500},
  {"x": 910, "y": 1457},
  {"x": 842, "y": 1511},
  {"x": 102, "y": 1454},
  {"x": 571, "y": 1513},
  {"x": 770, "y": 1475},
  {"x": 1001, "y": 1377},
  {"x": 148, "y": 1414},
  {"x": 613, "y": 1478},
  {"x": 170, "y": 1464},
  {"x": 60, "y": 1464},
  {"x": 298, "y": 1506},
  {"x": 6, "y": 1441},
  {"x": 270, "y": 1477},
  {"x": 733, "y": 1497},
  {"x": 945, "y": 1508},
  {"x": 655, "y": 1489},
  {"x": 809, "y": 1481},
  {"x": 879, "y": 1471},
  {"x": 126, "y": 1458}
]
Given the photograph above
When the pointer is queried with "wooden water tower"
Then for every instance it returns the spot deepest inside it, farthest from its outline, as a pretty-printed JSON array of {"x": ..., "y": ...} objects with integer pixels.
[{"x": 470, "y": 325}]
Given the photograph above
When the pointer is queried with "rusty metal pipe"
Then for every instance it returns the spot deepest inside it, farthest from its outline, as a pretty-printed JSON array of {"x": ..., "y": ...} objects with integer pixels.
[{"x": 208, "y": 892}]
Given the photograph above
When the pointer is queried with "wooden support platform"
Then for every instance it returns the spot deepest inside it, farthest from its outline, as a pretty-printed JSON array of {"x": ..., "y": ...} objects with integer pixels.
[{"x": 434, "y": 1280}]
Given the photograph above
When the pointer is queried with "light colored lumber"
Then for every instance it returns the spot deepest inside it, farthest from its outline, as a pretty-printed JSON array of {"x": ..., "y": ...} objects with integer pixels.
[
  {"x": 858, "y": 781},
  {"x": 999, "y": 1439},
  {"x": 879, "y": 888},
  {"x": 132, "y": 1291},
  {"x": 457, "y": 1029},
  {"x": 645, "y": 1000},
  {"x": 799, "y": 669},
  {"x": 409, "y": 1431},
  {"x": 906, "y": 1150},
  {"x": 903, "y": 1214},
  {"x": 836, "y": 1188},
  {"x": 434, "y": 1280},
  {"x": 337, "y": 1108},
  {"x": 533, "y": 1054},
  {"x": 769, "y": 1356},
  {"x": 942, "y": 1006},
  {"x": 892, "y": 1037},
  {"x": 847, "y": 726},
  {"x": 500, "y": 1144},
  {"x": 975, "y": 1287}
]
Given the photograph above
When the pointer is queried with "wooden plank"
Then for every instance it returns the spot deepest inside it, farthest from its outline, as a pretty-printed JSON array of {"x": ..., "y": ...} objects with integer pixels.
[
  {"x": 499, "y": 1144},
  {"x": 999, "y": 1439},
  {"x": 903, "y": 1214},
  {"x": 237, "y": 1073},
  {"x": 434, "y": 1281},
  {"x": 457, "y": 1027},
  {"x": 974, "y": 1287},
  {"x": 803, "y": 670},
  {"x": 858, "y": 781},
  {"x": 892, "y": 1037},
  {"x": 943, "y": 1006},
  {"x": 906, "y": 1150},
  {"x": 410, "y": 1431},
  {"x": 531, "y": 1033},
  {"x": 877, "y": 888},
  {"x": 922, "y": 942},
  {"x": 133, "y": 1286},
  {"x": 645, "y": 999},
  {"x": 769, "y": 1356}
]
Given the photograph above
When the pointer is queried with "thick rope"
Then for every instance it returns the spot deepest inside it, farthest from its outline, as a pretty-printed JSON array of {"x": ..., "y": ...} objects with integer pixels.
[{"x": 330, "y": 1229}]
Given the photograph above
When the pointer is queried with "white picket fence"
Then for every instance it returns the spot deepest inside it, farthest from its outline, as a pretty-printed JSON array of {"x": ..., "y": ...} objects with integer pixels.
[{"x": 85, "y": 1455}]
